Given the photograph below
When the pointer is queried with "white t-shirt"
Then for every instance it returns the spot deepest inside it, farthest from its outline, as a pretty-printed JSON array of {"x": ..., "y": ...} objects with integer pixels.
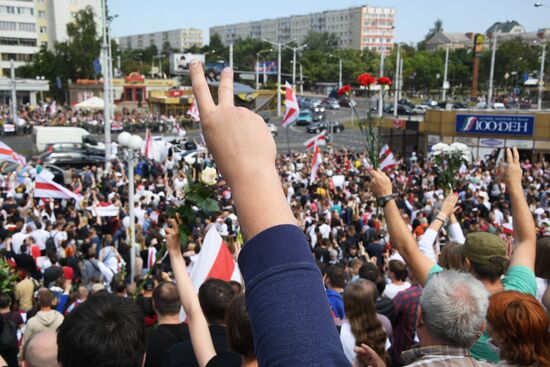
[
  {"x": 392, "y": 289},
  {"x": 348, "y": 341},
  {"x": 324, "y": 229},
  {"x": 40, "y": 237}
]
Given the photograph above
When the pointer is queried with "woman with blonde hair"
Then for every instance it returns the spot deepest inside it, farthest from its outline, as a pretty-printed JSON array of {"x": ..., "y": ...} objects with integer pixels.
[
  {"x": 519, "y": 329},
  {"x": 362, "y": 324}
]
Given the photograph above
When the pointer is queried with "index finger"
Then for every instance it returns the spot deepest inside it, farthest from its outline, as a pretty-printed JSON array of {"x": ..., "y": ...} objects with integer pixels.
[
  {"x": 509, "y": 157},
  {"x": 515, "y": 153},
  {"x": 200, "y": 87}
]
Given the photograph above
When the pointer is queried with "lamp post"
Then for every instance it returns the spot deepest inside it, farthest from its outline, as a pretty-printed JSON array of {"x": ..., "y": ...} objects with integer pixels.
[
  {"x": 258, "y": 54},
  {"x": 131, "y": 145},
  {"x": 445, "y": 81},
  {"x": 382, "y": 55},
  {"x": 294, "y": 51},
  {"x": 106, "y": 83},
  {"x": 492, "y": 71},
  {"x": 13, "y": 92},
  {"x": 396, "y": 80},
  {"x": 41, "y": 78},
  {"x": 339, "y": 69}
]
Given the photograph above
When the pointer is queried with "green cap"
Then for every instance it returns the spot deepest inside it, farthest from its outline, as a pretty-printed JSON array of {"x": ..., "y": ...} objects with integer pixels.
[{"x": 480, "y": 247}]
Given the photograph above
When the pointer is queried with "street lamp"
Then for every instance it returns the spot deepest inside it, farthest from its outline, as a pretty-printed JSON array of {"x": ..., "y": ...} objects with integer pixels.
[
  {"x": 131, "y": 145},
  {"x": 492, "y": 71},
  {"x": 382, "y": 55},
  {"x": 541, "y": 75},
  {"x": 339, "y": 69},
  {"x": 258, "y": 67},
  {"x": 41, "y": 78},
  {"x": 294, "y": 50},
  {"x": 396, "y": 80}
]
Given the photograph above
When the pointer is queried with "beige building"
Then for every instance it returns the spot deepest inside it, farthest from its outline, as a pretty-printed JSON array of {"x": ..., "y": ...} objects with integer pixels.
[
  {"x": 25, "y": 25},
  {"x": 364, "y": 27},
  {"x": 179, "y": 39}
]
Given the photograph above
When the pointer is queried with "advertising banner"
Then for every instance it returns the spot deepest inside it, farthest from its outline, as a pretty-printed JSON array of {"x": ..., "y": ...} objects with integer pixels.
[
  {"x": 495, "y": 124},
  {"x": 267, "y": 67},
  {"x": 179, "y": 63}
]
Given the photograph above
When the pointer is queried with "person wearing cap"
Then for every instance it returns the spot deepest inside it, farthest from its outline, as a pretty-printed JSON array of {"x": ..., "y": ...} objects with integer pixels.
[{"x": 484, "y": 254}]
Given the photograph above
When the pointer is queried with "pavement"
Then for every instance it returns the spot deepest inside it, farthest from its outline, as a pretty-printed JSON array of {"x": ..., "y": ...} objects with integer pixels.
[{"x": 350, "y": 138}]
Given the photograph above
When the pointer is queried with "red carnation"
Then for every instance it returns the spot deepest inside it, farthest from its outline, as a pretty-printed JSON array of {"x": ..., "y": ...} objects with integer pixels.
[
  {"x": 344, "y": 90},
  {"x": 366, "y": 79},
  {"x": 384, "y": 80}
]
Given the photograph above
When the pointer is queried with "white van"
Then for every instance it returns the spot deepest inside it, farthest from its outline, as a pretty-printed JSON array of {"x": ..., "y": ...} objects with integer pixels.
[{"x": 42, "y": 136}]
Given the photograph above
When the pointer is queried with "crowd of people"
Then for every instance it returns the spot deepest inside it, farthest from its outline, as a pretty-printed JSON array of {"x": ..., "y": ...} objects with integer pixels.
[
  {"x": 357, "y": 267},
  {"x": 92, "y": 120}
]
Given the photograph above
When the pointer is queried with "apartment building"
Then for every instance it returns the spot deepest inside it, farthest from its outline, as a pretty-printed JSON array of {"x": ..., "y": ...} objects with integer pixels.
[
  {"x": 25, "y": 25},
  {"x": 179, "y": 39},
  {"x": 364, "y": 27}
]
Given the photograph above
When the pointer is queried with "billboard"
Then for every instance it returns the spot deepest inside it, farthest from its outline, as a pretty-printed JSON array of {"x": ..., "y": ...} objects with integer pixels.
[
  {"x": 495, "y": 124},
  {"x": 267, "y": 67},
  {"x": 179, "y": 63}
]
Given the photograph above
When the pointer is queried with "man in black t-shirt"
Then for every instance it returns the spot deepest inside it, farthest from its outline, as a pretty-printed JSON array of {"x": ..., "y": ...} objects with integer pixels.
[{"x": 170, "y": 330}]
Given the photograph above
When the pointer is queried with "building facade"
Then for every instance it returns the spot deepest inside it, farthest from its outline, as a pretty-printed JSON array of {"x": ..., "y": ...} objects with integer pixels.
[
  {"x": 179, "y": 39},
  {"x": 25, "y": 25},
  {"x": 364, "y": 27}
]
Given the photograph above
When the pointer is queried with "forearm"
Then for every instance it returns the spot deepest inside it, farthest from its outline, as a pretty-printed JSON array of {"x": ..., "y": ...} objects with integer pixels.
[
  {"x": 426, "y": 243},
  {"x": 524, "y": 225},
  {"x": 403, "y": 240},
  {"x": 198, "y": 326},
  {"x": 455, "y": 233},
  {"x": 261, "y": 202}
]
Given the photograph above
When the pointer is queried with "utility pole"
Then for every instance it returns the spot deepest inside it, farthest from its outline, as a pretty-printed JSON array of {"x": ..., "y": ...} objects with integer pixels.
[
  {"x": 541, "y": 77},
  {"x": 231, "y": 56},
  {"x": 445, "y": 81},
  {"x": 397, "y": 64},
  {"x": 301, "y": 80},
  {"x": 106, "y": 83},
  {"x": 381, "y": 97},
  {"x": 279, "y": 79},
  {"x": 489, "y": 104},
  {"x": 401, "y": 81},
  {"x": 13, "y": 93}
]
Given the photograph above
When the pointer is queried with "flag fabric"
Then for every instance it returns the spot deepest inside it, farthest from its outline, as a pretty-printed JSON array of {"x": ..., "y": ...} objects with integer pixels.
[
  {"x": 317, "y": 160},
  {"x": 148, "y": 150},
  {"x": 53, "y": 108},
  {"x": 96, "y": 64},
  {"x": 398, "y": 123},
  {"x": 45, "y": 187},
  {"x": 386, "y": 159},
  {"x": 104, "y": 209},
  {"x": 214, "y": 261},
  {"x": 7, "y": 154},
  {"x": 320, "y": 139},
  {"x": 292, "y": 107},
  {"x": 193, "y": 112}
]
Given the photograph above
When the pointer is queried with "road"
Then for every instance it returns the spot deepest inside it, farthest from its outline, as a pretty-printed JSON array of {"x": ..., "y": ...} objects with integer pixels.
[{"x": 349, "y": 138}]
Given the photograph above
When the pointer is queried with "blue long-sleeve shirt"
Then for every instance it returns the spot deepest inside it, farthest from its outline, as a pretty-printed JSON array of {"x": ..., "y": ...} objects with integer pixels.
[{"x": 286, "y": 301}]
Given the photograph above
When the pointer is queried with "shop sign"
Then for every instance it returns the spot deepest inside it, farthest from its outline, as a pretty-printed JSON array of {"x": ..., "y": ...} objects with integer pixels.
[
  {"x": 491, "y": 143},
  {"x": 495, "y": 124}
]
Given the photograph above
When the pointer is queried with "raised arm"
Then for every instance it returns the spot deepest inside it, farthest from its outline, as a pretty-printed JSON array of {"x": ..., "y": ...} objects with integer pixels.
[
  {"x": 297, "y": 328},
  {"x": 524, "y": 225},
  {"x": 400, "y": 235},
  {"x": 198, "y": 326}
]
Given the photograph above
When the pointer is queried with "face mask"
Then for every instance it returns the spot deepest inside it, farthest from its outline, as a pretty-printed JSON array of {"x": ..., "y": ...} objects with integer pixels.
[{"x": 491, "y": 344}]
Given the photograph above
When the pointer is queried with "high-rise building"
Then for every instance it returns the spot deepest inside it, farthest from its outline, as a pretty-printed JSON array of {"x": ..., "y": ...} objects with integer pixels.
[
  {"x": 179, "y": 39},
  {"x": 364, "y": 27},
  {"x": 25, "y": 25}
]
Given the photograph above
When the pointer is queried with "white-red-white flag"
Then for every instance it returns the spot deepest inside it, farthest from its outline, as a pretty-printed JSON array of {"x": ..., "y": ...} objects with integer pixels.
[
  {"x": 317, "y": 160},
  {"x": 45, "y": 187},
  {"x": 320, "y": 139},
  {"x": 292, "y": 107},
  {"x": 193, "y": 112},
  {"x": 214, "y": 261},
  {"x": 7, "y": 154},
  {"x": 386, "y": 160},
  {"x": 104, "y": 209},
  {"x": 148, "y": 152}
]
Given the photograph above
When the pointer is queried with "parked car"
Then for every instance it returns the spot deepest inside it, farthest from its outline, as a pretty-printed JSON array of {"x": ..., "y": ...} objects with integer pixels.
[
  {"x": 331, "y": 104},
  {"x": 317, "y": 127},
  {"x": 73, "y": 159},
  {"x": 419, "y": 110},
  {"x": 304, "y": 118},
  {"x": 406, "y": 102},
  {"x": 402, "y": 110},
  {"x": 459, "y": 106},
  {"x": 42, "y": 136}
]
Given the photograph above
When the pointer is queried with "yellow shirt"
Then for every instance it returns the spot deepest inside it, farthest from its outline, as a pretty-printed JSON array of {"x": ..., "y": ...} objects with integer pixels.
[{"x": 24, "y": 291}]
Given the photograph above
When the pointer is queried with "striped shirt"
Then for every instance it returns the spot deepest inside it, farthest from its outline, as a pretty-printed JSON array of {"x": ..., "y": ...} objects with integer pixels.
[{"x": 440, "y": 355}]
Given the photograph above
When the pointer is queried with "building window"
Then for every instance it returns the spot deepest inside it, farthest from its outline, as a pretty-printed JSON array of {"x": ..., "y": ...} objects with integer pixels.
[
  {"x": 17, "y": 57},
  {"x": 7, "y": 9},
  {"x": 9, "y": 41},
  {"x": 43, "y": 30},
  {"x": 25, "y": 11},
  {"x": 7, "y": 26},
  {"x": 27, "y": 27},
  {"x": 41, "y": 14}
]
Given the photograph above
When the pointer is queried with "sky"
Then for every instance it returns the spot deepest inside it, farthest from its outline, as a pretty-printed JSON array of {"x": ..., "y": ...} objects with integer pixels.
[{"x": 413, "y": 17}]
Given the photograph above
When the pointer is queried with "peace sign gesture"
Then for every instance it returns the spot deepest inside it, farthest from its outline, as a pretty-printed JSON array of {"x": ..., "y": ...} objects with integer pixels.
[{"x": 238, "y": 138}]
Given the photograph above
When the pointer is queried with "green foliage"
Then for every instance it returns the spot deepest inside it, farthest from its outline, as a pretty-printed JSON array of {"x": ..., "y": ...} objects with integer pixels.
[{"x": 8, "y": 278}]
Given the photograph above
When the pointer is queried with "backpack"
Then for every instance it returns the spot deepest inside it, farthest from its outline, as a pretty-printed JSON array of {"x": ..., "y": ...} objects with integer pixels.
[
  {"x": 50, "y": 243},
  {"x": 8, "y": 335}
]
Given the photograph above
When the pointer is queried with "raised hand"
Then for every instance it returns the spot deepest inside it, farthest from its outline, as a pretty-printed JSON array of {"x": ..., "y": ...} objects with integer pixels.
[
  {"x": 513, "y": 172},
  {"x": 449, "y": 204},
  {"x": 238, "y": 138},
  {"x": 380, "y": 184}
]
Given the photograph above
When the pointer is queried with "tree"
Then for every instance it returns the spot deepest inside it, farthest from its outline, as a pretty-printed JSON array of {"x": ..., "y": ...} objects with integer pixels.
[{"x": 438, "y": 27}]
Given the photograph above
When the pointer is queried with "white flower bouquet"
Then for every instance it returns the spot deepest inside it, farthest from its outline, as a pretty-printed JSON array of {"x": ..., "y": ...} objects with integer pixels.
[{"x": 447, "y": 161}]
